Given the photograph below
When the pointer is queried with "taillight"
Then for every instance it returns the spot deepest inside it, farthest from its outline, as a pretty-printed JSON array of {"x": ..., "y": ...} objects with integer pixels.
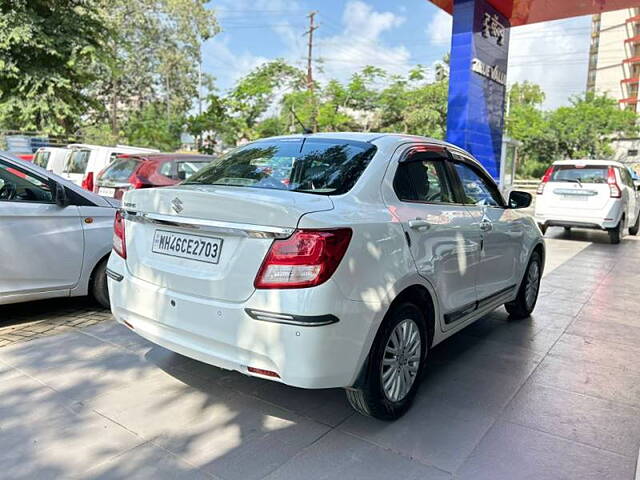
[
  {"x": 614, "y": 189},
  {"x": 119, "y": 243},
  {"x": 545, "y": 179},
  {"x": 305, "y": 259},
  {"x": 87, "y": 182}
]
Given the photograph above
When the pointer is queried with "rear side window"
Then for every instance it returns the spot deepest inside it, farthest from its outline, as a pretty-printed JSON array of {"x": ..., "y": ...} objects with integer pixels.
[
  {"x": 120, "y": 170},
  {"x": 422, "y": 180},
  {"x": 77, "y": 161},
  {"x": 185, "y": 170},
  {"x": 41, "y": 159},
  {"x": 580, "y": 173},
  {"x": 319, "y": 166}
]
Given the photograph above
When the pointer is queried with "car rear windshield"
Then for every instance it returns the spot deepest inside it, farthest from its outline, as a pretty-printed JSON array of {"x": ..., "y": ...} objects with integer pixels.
[
  {"x": 77, "y": 161},
  {"x": 319, "y": 166},
  {"x": 580, "y": 173},
  {"x": 120, "y": 170},
  {"x": 41, "y": 159}
]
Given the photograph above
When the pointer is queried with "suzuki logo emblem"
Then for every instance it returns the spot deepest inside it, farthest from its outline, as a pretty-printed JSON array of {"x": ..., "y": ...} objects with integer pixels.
[{"x": 176, "y": 204}]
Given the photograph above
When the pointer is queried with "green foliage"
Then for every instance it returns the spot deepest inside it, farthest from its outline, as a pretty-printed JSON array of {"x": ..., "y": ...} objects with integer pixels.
[
  {"x": 153, "y": 56},
  {"x": 154, "y": 127},
  {"x": 583, "y": 129},
  {"x": 46, "y": 65}
]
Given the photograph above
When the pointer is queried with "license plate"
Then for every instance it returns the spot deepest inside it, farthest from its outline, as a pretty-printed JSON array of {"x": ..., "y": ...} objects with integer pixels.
[
  {"x": 183, "y": 245},
  {"x": 106, "y": 192},
  {"x": 575, "y": 198}
]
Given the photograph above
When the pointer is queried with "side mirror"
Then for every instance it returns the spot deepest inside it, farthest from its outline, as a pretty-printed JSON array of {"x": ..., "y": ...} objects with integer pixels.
[
  {"x": 61, "y": 196},
  {"x": 519, "y": 199},
  {"x": 182, "y": 175}
]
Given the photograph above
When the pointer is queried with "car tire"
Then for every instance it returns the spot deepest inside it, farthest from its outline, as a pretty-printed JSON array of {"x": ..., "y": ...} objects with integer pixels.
[
  {"x": 99, "y": 289},
  {"x": 543, "y": 228},
  {"x": 634, "y": 230},
  {"x": 384, "y": 368},
  {"x": 615, "y": 234},
  {"x": 527, "y": 297}
]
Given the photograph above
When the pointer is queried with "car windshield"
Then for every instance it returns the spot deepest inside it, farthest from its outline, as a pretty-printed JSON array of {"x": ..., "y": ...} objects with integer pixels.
[
  {"x": 320, "y": 166},
  {"x": 580, "y": 173},
  {"x": 41, "y": 159},
  {"x": 77, "y": 161},
  {"x": 120, "y": 170}
]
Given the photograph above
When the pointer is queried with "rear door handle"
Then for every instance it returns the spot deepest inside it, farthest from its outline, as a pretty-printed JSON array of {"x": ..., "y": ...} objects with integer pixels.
[{"x": 419, "y": 224}]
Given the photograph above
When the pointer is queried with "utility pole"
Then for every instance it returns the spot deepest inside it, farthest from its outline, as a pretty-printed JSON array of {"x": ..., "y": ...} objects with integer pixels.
[{"x": 312, "y": 28}]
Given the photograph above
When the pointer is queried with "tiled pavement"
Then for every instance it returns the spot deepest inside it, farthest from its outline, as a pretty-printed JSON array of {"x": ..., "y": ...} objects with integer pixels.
[
  {"x": 27, "y": 321},
  {"x": 556, "y": 396}
]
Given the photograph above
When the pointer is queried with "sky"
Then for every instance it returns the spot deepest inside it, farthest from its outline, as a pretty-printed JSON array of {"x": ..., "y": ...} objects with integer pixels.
[{"x": 395, "y": 36}]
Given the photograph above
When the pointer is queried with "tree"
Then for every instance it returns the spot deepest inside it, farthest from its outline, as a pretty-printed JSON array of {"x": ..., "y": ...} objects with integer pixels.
[
  {"x": 585, "y": 128},
  {"x": 154, "y": 57},
  {"x": 48, "y": 57},
  {"x": 151, "y": 127},
  {"x": 526, "y": 94}
]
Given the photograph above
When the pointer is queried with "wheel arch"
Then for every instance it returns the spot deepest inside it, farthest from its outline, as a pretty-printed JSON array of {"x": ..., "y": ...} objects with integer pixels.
[{"x": 418, "y": 294}]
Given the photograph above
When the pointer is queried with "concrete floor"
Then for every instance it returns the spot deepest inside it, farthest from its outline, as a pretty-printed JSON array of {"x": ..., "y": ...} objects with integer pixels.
[{"x": 556, "y": 396}]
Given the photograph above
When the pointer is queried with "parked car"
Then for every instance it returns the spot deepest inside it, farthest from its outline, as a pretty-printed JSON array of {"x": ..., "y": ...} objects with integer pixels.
[
  {"x": 27, "y": 157},
  {"x": 373, "y": 249},
  {"x": 596, "y": 194},
  {"x": 85, "y": 161},
  {"x": 55, "y": 237},
  {"x": 147, "y": 170},
  {"x": 52, "y": 158}
]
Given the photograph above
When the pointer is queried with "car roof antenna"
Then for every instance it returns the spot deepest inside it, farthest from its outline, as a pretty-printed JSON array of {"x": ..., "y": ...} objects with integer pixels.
[{"x": 305, "y": 130}]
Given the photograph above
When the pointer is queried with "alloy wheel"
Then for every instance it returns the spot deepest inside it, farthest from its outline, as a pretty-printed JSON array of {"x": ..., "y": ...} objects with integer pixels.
[
  {"x": 401, "y": 360},
  {"x": 533, "y": 284}
]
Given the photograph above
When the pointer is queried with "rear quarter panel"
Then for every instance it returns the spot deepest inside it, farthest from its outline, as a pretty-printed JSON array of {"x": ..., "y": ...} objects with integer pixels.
[{"x": 98, "y": 240}]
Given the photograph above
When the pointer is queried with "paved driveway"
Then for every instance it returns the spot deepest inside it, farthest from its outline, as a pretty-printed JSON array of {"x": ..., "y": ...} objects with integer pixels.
[{"x": 555, "y": 396}]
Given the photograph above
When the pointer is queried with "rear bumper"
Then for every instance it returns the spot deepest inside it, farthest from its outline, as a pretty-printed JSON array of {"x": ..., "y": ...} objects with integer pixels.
[
  {"x": 600, "y": 219},
  {"x": 324, "y": 348}
]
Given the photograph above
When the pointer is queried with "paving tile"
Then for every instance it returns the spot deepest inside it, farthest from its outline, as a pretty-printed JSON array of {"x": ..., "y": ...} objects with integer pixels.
[
  {"x": 328, "y": 406},
  {"x": 67, "y": 450},
  {"x": 53, "y": 351},
  {"x": 353, "y": 458},
  {"x": 432, "y": 432},
  {"x": 610, "y": 330},
  {"x": 146, "y": 461},
  {"x": 589, "y": 420},
  {"x": 620, "y": 386},
  {"x": 601, "y": 352},
  {"x": 512, "y": 451},
  {"x": 211, "y": 427}
]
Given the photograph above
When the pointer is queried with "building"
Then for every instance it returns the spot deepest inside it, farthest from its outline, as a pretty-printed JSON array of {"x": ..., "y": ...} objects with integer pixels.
[{"x": 614, "y": 62}]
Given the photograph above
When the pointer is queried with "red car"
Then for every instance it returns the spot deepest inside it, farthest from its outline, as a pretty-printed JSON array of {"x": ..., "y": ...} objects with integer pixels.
[{"x": 147, "y": 170}]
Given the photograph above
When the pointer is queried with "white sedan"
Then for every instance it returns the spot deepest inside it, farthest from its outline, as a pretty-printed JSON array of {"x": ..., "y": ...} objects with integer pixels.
[
  {"x": 327, "y": 260},
  {"x": 55, "y": 237}
]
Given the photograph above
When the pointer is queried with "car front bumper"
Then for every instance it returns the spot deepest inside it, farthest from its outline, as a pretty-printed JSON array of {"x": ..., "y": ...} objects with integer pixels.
[{"x": 305, "y": 345}]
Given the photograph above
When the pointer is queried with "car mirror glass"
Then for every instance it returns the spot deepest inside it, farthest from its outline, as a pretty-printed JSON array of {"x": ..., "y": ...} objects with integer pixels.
[
  {"x": 519, "y": 199},
  {"x": 61, "y": 198}
]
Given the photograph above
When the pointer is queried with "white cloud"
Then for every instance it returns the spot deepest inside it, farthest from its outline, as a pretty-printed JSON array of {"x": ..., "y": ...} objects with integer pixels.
[
  {"x": 439, "y": 29},
  {"x": 552, "y": 54},
  {"x": 359, "y": 43},
  {"x": 225, "y": 65}
]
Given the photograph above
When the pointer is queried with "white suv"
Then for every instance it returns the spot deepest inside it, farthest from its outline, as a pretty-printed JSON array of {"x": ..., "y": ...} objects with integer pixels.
[
  {"x": 598, "y": 194},
  {"x": 326, "y": 260}
]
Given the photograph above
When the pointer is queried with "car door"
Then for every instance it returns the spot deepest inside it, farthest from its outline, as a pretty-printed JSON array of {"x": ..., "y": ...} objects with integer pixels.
[
  {"x": 41, "y": 244},
  {"x": 500, "y": 262},
  {"x": 441, "y": 233}
]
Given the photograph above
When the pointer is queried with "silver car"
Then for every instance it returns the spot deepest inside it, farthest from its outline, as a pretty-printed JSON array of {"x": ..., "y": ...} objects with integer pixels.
[{"x": 55, "y": 238}]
